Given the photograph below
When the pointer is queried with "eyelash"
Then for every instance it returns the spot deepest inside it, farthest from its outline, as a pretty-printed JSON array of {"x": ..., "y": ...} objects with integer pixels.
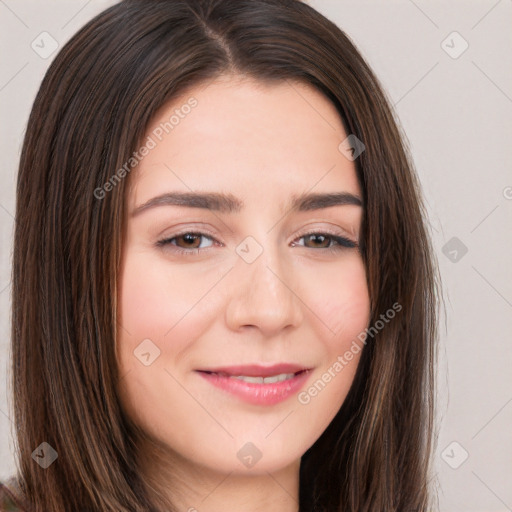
[{"x": 342, "y": 243}]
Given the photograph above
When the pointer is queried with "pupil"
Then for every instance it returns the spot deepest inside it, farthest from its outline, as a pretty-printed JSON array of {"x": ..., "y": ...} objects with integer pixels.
[
  {"x": 189, "y": 238},
  {"x": 317, "y": 237}
]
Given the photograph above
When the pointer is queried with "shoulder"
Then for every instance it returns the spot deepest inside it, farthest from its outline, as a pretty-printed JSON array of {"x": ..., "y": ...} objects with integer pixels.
[{"x": 9, "y": 501}]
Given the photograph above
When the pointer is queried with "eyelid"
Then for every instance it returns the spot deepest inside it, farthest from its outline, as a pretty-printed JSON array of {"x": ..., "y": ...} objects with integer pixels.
[
  {"x": 336, "y": 232},
  {"x": 340, "y": 240},
  {"x": 195, "y": 230},
  {"x": 162, "y": 242}
]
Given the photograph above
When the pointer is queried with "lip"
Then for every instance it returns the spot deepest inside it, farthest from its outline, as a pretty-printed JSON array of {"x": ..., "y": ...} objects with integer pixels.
[
  {"x": 257, "y": 370},
  {"x": 255, "y": 393}
]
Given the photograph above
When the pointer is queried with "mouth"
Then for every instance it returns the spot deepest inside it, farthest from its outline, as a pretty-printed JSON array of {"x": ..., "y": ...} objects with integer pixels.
[
  {"x": 257, "y": 384},
  {"x": 271, "y": 379}
]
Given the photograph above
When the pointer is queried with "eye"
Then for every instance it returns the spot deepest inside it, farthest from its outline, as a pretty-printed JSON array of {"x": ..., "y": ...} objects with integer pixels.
[
  {"x": 334, "y": 242},
  {"x": 189, "y": 243}
]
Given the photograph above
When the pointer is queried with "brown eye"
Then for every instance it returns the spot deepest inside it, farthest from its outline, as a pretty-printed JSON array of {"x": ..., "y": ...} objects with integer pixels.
[
  {"x": 327, "y": 241},
  {"x": 191, "y": 240},
  {"x": 320, "y": 241},
  {"x": 184, "y": 241}
]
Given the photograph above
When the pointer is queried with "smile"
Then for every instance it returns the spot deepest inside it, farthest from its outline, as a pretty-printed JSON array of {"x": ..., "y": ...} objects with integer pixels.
[
  {"x": 262, "y": 380},
  {"x": 258, "y": 385}
]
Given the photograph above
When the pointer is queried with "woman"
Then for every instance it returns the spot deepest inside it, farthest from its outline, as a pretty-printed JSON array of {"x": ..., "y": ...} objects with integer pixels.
[{"x": 258, "y": 371}]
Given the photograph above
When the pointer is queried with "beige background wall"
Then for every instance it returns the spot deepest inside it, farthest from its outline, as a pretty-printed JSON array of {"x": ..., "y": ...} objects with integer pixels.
[{"x": 455, "y": 105}]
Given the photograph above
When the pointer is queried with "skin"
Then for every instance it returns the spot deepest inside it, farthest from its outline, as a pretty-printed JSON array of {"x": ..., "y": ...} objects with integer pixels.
[{"x": 297, "y": 302}]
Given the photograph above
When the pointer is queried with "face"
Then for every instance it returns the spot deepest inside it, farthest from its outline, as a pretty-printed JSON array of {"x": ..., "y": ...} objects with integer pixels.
[{"x": 250, "y": 281}]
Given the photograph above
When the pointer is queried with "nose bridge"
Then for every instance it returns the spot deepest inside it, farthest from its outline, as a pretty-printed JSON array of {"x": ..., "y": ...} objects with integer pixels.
[{"x": 263, "y": 286}]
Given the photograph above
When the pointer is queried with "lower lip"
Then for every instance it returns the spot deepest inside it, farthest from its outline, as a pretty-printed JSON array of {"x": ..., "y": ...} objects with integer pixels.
[{"x": 259, "y": 394}]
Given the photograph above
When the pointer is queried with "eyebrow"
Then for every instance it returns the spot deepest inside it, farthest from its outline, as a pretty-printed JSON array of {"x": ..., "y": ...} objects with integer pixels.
[{"x": 228, "y": 203}]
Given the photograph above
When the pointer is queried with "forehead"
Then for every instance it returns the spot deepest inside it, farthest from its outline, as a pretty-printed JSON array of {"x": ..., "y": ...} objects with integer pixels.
[{"x": 250, "y": 138}]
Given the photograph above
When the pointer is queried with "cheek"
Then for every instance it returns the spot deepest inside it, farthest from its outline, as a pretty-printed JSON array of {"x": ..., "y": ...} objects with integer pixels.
[
  {"x": 338, "y": 296},
  {"x": 171, "y": 308},
  {"x": 340, "y": 301}
]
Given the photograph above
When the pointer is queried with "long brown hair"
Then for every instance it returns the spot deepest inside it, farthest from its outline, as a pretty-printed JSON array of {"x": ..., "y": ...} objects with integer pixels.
[{"x": 90, "y": 114}]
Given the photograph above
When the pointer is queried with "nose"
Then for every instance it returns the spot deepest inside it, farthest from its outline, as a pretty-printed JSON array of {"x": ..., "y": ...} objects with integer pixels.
[{"x": 263, "y": 295}]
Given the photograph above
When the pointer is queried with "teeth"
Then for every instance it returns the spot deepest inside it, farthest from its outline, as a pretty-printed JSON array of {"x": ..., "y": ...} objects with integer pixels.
[{"x": 264, "y": 380}]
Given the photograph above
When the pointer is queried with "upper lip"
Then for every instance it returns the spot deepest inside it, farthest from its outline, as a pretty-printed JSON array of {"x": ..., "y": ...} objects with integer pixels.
[{"x": 257, "y": 370}]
